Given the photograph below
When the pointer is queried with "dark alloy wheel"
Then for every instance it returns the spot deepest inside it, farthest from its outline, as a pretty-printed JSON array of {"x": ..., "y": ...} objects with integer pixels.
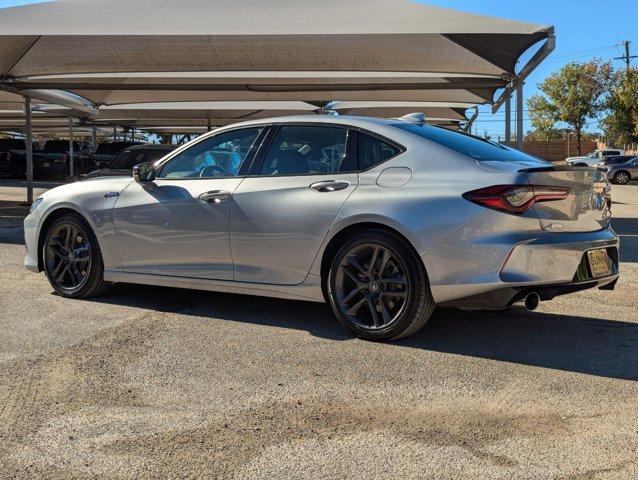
[
  {"x": 371, "y": 286},
  {"x": 621, "y": 178},
  {"x": 72, "y": 258},
  {"x": 378, "y": 287}
]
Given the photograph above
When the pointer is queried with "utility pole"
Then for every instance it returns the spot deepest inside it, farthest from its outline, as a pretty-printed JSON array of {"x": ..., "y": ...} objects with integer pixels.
[{"x": 627, "y": 57}]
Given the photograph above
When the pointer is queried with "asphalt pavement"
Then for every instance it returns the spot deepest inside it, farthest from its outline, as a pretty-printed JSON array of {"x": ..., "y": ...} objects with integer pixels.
[{"x": 148, "y": 382}]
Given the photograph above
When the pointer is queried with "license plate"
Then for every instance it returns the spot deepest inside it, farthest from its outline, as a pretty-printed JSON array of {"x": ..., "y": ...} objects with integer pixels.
[{"x": 599, "y": 263}]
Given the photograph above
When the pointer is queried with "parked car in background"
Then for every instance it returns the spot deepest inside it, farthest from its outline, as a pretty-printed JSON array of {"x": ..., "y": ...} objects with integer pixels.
[
  {"x": 382, "y": 218},
  {"x": 13, "y": 158},
  {"x": 107, "y": 151},
  {"x": 614, "y": 160},
  {"x": 124, "y": 162},
  {"x": 52, "y": 162},
  {"x": 594, "y": 157},
  {"x": 621, "y": 170}
]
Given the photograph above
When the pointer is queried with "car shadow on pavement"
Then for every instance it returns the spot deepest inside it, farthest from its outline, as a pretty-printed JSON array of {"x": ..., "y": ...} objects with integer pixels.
[
  {"x": 578, "y": 344},
  {"x": 627, "y": 229},
  {"x": 316, "y": 318},
  {"x": 572, "y": 343}
]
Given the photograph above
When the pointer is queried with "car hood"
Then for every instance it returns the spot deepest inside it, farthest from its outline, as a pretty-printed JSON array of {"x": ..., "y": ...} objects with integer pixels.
[{"x": 80, "y": 191}]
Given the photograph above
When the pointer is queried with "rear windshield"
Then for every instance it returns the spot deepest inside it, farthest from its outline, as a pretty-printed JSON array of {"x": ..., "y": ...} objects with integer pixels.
[
  {"x": 474, "y": 147},
  {"x": 623, "y": 159},
  {"x": 10, "y": 144}
]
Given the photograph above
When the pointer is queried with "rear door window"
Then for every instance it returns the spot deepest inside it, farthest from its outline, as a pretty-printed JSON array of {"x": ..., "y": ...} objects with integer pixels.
[{"x": 308, "y": 150}]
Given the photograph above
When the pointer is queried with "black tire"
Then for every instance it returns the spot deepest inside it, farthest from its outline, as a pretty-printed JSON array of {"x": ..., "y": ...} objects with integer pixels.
[
  {"x": 91, "y": 272},
  {"x": 410, "y": 314},
  {"x": 621, "y": 177}
]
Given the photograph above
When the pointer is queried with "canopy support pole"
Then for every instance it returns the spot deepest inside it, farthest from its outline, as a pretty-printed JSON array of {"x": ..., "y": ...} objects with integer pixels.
[
  {"x": 94, "y": 138},
  {"x": 29, "y": 153},
  {"x": 519, "y": 116},
  {"x": 70, "y": 147},
  {"x": 508, "y": 120}
]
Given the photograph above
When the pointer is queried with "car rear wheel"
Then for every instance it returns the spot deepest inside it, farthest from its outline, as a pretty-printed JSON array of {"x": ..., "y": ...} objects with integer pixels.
[
  {"x": 72, "y": 258},
  {"x": 622, "y": 177},
  {"x": 378, "y": 287}
]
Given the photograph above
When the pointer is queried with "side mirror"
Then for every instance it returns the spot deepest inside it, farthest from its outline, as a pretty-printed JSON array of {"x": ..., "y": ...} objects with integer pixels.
[{"x": 143, "y": 173}]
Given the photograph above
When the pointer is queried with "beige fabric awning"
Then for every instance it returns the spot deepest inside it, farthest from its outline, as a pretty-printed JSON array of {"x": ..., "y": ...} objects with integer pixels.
[{"x": 117, "y": 51}]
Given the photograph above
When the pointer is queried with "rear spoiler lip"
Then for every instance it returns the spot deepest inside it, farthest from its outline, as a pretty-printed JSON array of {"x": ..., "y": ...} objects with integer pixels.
[{"x": 562, "y": 168}]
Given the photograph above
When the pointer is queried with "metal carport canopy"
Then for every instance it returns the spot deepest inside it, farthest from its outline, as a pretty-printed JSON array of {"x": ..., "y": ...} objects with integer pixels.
[
  {"x": 214, "y": 114},
  {"x": 109, "y": 50}
]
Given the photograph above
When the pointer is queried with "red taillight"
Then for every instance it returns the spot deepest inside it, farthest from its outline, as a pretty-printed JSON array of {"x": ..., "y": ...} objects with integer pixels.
[{"x": 515, "y": 198}]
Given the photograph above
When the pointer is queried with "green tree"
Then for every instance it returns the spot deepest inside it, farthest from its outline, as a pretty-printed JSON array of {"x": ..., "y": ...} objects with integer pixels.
[
  {"x": 621, "y": 124},
  {"x": 571, "y": 95}
]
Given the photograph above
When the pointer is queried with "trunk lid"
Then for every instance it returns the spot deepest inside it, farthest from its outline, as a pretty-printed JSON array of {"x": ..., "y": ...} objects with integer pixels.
[{"x": 585, "y": 209}]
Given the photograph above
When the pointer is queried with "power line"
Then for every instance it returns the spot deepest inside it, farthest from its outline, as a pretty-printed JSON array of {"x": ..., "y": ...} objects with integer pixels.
[{"x": 571, "y": 55}]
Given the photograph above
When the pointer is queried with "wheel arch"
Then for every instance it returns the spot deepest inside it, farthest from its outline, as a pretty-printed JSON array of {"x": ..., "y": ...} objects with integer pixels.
[
  {"x": 50, "y": 217},
  {"x": 341, "y": 235}
]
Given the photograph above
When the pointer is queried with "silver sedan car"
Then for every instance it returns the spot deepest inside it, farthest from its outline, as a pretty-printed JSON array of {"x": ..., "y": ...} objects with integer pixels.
[
  {"x": 622, "y": 169},
  {"x": 384, "y": 219}
]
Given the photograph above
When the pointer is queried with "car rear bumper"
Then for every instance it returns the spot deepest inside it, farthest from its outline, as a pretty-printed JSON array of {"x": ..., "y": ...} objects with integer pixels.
[
  {"x": 548, "y": 263},
  {"x": 507, "y": 296}
]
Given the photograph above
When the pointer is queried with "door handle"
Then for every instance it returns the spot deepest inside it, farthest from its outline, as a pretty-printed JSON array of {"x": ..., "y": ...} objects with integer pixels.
[
  {"x": 214, "y": 196},
  {"x": 330, "y": 185}
]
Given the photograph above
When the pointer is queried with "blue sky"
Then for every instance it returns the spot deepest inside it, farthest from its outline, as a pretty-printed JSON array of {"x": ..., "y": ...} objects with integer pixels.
[{"x": 584, "y": 29}]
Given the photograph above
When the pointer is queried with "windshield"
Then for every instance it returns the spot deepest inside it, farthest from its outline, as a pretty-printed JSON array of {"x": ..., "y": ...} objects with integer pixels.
[{"x": 474, "y": 147}]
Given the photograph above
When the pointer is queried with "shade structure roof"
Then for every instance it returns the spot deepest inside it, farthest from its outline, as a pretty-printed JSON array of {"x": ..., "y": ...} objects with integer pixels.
[
  {"x": 210, "y": 50},
  {"x": 213, "y": 114},
  {"x": 434, "y": 112}
]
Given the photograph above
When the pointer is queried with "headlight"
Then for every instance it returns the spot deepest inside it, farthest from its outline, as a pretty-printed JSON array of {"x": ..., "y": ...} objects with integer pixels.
[{"x": 35, "y": 204}]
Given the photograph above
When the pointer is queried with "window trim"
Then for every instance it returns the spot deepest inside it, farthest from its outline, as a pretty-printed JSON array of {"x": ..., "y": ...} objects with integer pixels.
[{"x": 248, "y": 160}]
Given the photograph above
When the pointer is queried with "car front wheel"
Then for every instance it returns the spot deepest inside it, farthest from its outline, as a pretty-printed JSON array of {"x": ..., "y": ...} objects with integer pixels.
[
  {"x": 621, "y": 178},
  {"x": 378, "y": 287},
  {"x": 72, "y": 258}
]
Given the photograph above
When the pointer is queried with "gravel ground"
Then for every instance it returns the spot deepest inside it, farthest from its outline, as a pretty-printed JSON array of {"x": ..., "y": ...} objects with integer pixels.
[{"x": 151, "y": 382}]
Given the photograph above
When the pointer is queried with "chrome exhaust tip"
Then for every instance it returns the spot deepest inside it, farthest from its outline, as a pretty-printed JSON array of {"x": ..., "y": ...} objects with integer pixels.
[{"x": 532, "y": 300}]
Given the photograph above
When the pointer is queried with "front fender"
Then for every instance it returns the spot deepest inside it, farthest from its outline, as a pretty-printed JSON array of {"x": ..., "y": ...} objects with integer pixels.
[{"x": 88, "y": 200}]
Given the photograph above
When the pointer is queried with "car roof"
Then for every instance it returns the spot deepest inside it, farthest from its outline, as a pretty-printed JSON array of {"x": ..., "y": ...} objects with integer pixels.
[{"x": 354, "y": 121}]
